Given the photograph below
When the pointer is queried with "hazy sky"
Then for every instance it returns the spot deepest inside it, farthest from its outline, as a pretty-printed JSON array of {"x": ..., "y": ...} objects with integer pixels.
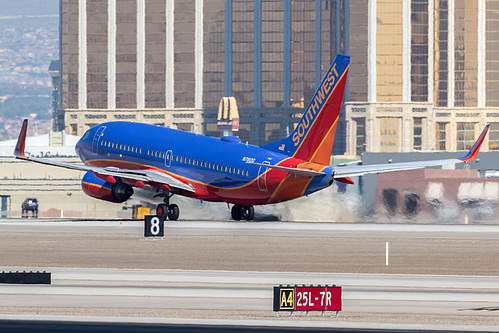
[{"x": 29, "y": 7}]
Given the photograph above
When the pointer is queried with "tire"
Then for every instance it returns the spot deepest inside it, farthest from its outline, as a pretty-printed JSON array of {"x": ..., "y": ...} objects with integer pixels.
[
  {"x": 248, "y": 213},
  {"x": 162, "y": 210},
  {"x": 237, "y": 212},
  {"x": 173, "y": 212}
]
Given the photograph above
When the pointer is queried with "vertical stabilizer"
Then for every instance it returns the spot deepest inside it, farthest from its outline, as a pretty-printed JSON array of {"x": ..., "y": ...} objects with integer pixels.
[{"x": 313, "y": 138}]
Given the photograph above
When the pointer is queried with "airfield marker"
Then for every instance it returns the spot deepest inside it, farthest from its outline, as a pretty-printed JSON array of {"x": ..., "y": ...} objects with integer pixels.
[{"x": 386, "y": 253}]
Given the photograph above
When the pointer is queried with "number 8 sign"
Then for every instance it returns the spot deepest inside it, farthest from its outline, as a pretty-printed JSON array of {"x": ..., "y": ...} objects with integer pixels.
[{"x": 154, "y": 226}]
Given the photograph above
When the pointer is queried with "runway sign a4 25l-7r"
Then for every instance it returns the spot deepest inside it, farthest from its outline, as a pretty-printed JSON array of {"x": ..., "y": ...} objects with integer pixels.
[{"x": 302, "y": 298}]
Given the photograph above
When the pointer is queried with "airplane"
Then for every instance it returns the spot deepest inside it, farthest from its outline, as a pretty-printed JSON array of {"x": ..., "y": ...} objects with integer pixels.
[{"x": 125, "y": 159}]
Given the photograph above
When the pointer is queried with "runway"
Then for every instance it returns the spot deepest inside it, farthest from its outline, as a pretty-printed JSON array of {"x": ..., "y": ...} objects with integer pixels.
[{"x": 212, "y": 271}]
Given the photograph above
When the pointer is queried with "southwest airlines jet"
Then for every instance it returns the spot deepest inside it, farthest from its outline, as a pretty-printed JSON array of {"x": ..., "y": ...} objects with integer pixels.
[{"x": 125, "y": 158}]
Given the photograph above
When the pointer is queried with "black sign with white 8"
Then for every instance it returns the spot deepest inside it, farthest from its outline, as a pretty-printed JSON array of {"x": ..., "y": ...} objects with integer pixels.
[{"x": 154, "y": 226}]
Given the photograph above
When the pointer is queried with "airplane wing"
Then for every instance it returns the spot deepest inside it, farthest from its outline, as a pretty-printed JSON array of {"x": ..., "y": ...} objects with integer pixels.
[
  {"x": 138, "y": 175},
  {"x": 298, "y": 171},
  {"x": 359, "y": 170}
]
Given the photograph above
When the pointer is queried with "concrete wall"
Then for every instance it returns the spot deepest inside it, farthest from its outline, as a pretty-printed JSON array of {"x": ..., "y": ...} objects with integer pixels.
[
  {"x": 479, "y": 179},
  {"x": 55, "y": 189}
]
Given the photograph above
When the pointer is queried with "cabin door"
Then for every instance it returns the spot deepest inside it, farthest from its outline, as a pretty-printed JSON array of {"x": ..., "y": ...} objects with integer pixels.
[
  {"x": 168, "y": 158},
  {"x": 96, "y": 140},
  {"x": 262, "y": 177}
]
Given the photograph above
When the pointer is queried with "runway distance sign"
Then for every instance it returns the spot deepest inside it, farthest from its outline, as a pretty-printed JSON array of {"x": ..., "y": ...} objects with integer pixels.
[
  {"x": 307, "y": 298},
  {"x": 154, "y": 226}
]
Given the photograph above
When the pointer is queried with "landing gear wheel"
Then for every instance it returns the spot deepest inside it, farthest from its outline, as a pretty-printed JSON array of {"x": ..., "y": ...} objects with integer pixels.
[
  {"x": 173, "y": 212},
  {"x": 248, "y": 213},
  {"x": 162, "y": 210},
  {"x": 237, "y": 212}
]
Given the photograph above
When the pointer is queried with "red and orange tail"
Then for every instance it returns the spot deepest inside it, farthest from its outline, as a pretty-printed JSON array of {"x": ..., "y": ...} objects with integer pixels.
[
  {"x": 476, "y": 146},
  {"x": 21, "y": 141},
  {"x": 313, "y": 138}
]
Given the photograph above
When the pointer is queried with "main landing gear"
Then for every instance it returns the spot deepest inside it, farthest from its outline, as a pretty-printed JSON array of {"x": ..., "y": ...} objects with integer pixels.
[
  {"x": 171, "y": 212},
  {"x": 239, "y": 212}
]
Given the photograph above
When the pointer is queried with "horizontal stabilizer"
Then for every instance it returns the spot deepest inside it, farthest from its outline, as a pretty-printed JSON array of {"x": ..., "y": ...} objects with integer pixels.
[{"x": 360, "y": 170}]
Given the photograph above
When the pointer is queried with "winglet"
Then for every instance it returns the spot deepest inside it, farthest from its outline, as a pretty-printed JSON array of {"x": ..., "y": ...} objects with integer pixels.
[
  {"x": 21, "y": 141},
  {"x": 476, "y": 146}
]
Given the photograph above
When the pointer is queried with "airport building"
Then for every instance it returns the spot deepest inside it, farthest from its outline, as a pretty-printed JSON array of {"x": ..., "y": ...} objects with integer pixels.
[
  {"x": 431, "y": 76},
  {"x": 171, "y": 62}
]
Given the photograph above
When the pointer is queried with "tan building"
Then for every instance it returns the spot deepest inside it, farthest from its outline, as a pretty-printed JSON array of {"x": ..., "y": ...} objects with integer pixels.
[
  {"x": 170, "y": 62},
  {"x": 432, "y": 76}
]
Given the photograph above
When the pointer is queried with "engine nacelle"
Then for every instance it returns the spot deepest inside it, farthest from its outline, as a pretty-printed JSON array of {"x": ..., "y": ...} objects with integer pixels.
[{"x": 103, "y": 190}]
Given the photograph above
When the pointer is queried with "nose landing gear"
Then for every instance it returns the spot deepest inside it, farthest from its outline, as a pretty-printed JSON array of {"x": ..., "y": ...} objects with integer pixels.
[{"x": 239, "y": 212}]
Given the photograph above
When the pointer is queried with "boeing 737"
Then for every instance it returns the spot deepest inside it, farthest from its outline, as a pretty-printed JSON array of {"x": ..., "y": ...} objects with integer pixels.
[{"x": 125, "y": 159}]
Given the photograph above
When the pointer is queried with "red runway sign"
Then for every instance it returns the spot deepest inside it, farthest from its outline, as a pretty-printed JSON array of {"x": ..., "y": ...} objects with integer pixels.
[{"x": 296, "y": 298}]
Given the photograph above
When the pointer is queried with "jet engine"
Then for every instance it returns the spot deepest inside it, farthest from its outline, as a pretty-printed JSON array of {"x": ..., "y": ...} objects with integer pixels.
[{"x": 101, "y": 189}]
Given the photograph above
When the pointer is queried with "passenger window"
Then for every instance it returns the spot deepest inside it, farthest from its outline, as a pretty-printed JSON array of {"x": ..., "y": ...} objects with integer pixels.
[
  {"x": 210, "y": 165},
  {"x": 177, "y": 158},
  {"x": 247, "y": 173},
  {"x": 182, "y": 159}
]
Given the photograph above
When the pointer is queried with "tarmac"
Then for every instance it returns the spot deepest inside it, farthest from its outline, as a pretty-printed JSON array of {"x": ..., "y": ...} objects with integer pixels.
[{"x": 432, "y": 275}]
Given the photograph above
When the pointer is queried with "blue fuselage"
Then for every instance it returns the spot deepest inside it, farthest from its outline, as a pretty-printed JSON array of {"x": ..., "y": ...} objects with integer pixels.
[{"x": 213, "y": 163}]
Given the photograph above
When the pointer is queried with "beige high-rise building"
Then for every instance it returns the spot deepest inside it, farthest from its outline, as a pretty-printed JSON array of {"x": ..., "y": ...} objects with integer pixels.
[
  {"x": 170, "y": 62},
  {"x": 431, "y": 79}
]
